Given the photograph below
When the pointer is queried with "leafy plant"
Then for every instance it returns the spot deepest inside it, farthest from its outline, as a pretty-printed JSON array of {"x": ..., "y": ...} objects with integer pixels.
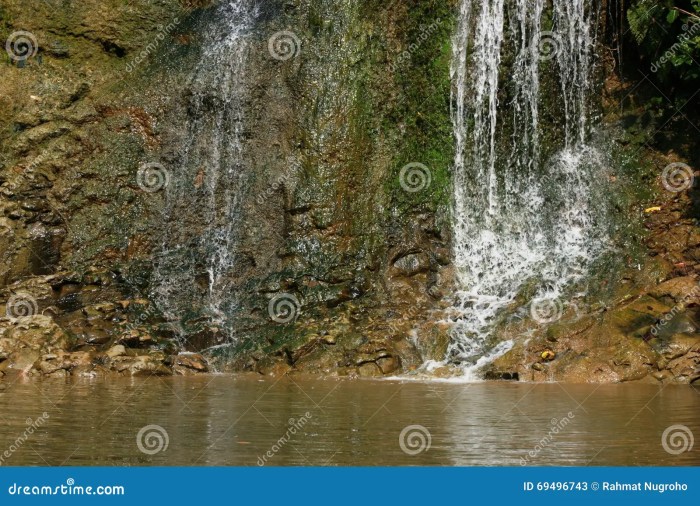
[
  {"x": 641, "y": 19},
  {"x": 667, "y": 33}
]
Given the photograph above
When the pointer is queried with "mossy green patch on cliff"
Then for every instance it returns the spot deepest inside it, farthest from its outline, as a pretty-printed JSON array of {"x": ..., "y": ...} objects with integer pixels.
[
  {"x": 421, "y": 118},
  {"x": 370, "y": 92}
]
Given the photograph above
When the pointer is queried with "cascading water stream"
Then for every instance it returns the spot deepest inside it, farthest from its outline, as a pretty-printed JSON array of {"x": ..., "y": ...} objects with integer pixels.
[
  {"x": 192, "y": 276},
  {"x": 519, "y": 217}
]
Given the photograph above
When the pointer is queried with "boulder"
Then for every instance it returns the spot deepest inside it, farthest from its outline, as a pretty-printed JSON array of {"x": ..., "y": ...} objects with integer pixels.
[
  {"x": 142, "y": 365},
  {"x": 27, "y": 339},
  {"x": 369, "y": 370},
  {"x": 116, "y": 351},
  {"x": 188, "y": 363},
  {"x": 683, "y": 290}
]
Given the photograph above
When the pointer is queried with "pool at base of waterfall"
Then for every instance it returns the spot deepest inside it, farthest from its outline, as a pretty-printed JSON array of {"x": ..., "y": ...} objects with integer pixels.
[{"x": 254, "y": 421}]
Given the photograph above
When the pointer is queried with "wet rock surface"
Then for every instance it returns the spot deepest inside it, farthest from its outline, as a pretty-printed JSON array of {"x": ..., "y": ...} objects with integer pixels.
[
  {"x": 74, "y": 332},
  {"x": 325, "y": 217},
  {"x": 650, "y": 329}
]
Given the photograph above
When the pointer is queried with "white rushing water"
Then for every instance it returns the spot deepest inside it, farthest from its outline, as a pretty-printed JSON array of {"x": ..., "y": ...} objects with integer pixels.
[
  {"x": 517, "y": 216},
  {"x": 200, "y": 236}
]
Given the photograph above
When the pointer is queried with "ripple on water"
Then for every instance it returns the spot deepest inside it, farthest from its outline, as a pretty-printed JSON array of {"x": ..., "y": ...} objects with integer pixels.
[{"x": 226, "y": 420}]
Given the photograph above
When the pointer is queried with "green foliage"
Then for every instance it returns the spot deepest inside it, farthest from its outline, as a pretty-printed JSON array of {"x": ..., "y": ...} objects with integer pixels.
[
  {"x": 667, "y": 33},
  {"x": 641, "y": 18}
]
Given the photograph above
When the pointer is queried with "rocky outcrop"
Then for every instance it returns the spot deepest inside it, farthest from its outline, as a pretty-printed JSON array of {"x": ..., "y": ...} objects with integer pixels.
[
  {"x": 648, "y": 330},
  {"x": 328, "y": 223},
  {"x": 328, "y": 132},
  {"x": 327, "y": 219},
  {"x": 57, "y": 326}
]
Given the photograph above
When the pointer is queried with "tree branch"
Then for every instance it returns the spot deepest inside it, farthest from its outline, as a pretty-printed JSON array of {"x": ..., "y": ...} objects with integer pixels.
[{"x": 686, "y": 12}]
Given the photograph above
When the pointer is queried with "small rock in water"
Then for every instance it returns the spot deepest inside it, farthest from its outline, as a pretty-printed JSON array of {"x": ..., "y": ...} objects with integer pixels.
[
  {"x": 185, "y": 363},
  {"x": 660, "y": 375},
  {"x": 116, "y": 351}
]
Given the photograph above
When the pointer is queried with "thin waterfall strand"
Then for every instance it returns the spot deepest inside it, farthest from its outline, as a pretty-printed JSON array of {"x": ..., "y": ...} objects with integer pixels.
[{"x": 199, "y": 248}]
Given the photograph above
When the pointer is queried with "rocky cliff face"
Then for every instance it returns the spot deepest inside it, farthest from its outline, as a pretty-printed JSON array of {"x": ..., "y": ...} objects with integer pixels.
[
  {"x": 76, "y": 123},
  {"x": 325, "y": 218},
  {"x": 343, "y": 204}
]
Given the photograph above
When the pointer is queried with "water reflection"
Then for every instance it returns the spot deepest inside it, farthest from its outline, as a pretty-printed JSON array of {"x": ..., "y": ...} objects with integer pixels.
[{"x": 224, "y": 420}]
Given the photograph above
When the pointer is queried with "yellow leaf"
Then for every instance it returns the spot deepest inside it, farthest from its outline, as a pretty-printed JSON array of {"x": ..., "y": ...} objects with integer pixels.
[{"x": 548, "y": 355}]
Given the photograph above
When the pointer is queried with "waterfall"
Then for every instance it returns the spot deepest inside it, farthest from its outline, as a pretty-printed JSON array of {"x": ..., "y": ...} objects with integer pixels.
[
  {"x": 195, "y": 267},
  {"x": 523, "y": 211},
  {"x": 573, "y": 34}
]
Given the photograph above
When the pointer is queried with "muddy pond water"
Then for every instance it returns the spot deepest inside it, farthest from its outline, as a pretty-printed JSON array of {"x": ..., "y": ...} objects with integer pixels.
[{"x": 244, "y": 421}]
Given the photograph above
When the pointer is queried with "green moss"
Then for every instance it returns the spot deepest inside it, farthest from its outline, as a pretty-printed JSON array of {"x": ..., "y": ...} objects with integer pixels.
[{"x": 423, "y": 112}]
